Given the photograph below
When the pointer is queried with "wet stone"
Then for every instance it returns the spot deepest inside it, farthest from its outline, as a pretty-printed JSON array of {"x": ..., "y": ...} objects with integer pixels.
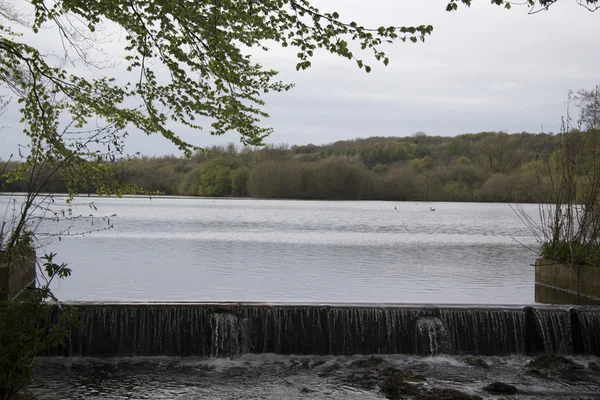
[
  {"x": 553, "y": 362},
  {"x": 476, "y": 362},
  {"x": 329, "y": 369},
  {"x": 500, "y": 388},
  {"x": 394, "y": 387},
  {"x": 368, "y": 380},
  {"x": 372, "y": 362},
  {"x": 560, "y": 367},
  {"x": 303, "y": 364},
  {"x": 446, "y": 394},
  {"x": 273, "y": 377},
  {"x": 406, "y": 375}
]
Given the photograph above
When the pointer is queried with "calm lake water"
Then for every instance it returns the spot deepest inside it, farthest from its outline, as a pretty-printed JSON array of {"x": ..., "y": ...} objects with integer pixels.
[{"x": 174, "y": 249}]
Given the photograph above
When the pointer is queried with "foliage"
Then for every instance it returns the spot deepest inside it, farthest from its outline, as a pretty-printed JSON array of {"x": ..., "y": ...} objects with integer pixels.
[
  {"x": 535, "y": 5},
  {"x": 569, "y": 227},
  {"x": 300, "y": 172},
  {"x": 184, "y": 61},
  {"x": 421, "y": 164},
  {"x": 215, "y": 181},
  {"x": 187, "y": 62},
  {"x": 380, "y": 169},
  {"x": 239, "y": 182},
  {"x": 434, "y": 177},
  {"x": 30, "y": 326},
  {"x": 499, "y": 153},
  {"x": 572, "y": 253}
]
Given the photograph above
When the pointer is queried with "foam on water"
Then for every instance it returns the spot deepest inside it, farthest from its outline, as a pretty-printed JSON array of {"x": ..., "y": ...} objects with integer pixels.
[{"x": 272, "y": 376}]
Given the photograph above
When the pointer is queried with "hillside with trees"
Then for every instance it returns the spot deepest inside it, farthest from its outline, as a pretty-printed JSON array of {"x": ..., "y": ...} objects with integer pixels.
[{"x": 487, "y": 166}]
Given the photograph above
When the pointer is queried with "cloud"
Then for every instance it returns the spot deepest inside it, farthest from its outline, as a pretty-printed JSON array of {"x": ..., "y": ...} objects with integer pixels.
[{"x": 505, "y": 87}]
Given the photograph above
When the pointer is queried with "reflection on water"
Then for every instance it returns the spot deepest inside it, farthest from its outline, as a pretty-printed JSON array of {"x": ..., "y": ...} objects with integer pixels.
[
  {"x": 257, "y": 250},
  {"x": 548, "y": 295}
]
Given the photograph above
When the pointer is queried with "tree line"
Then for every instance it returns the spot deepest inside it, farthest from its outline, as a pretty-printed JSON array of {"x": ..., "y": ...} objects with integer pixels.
[{"x": 487, "y": 166}]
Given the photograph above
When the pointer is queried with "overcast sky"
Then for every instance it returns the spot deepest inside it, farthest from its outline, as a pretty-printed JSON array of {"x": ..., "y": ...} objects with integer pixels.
[{"x": 484, "y": 68}]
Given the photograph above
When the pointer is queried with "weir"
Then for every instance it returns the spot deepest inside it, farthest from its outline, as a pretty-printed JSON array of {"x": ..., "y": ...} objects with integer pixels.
[{"x": 231, "y": 329}]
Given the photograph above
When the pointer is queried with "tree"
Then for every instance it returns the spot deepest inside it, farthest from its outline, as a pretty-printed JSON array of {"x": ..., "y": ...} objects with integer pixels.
[
  {"x": 338, "y": 178},
  {"x": 185, "y": 60},
  {"x": 569, "y": 227},
  {"x": 588, "y": 102},
  {"x": 499, "y": 153},
  {"x": 215, "y": 180},
  {"x": 535, "y": 5},
  {"x": 498, "y": 188},
  {"x": 25, "y": 325},
  {"x": 421, "y": 164},
  {"x": 189, "y": 61},
  {"x": 239, "y": 182},
  {"x": 380, "y": 169}
]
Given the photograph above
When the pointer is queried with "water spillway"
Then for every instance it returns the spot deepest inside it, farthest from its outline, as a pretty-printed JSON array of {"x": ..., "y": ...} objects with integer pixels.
[{"x": 231, "y": 329}]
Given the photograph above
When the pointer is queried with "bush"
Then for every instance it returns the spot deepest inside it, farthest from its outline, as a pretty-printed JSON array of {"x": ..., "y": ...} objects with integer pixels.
[
  {"x": 28, "y": 327},
  {"x": 574, "y": 253}
]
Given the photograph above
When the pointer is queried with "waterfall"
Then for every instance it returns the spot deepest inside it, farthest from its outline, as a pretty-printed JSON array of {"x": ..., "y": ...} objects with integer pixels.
[
  {"x": 485, "y": 331},
  {"x": 431, "y": 337},
  {"x": 590, "y": 331},
  {"x": 228, "y": 330},
  {"x": 228, "y": 335},
  {"x": 554, "y": 330}
]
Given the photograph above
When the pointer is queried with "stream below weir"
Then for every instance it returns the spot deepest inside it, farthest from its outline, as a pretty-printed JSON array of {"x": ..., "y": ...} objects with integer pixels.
[{"x": 269, "y": 376}]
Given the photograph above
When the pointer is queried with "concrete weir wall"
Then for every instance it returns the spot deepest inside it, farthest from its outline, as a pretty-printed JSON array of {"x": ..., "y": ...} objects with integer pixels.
[
  {"x": 577, "y": 279},
  {"x": 231, "y": 329},
  {"x": 17, "y": 276}
]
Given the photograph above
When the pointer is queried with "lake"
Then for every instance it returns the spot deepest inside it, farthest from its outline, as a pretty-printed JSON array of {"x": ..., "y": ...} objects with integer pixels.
[{"x": 192, "y": 249}]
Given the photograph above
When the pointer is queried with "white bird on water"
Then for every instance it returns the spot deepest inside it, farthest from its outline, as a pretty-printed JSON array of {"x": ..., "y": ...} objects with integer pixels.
[{"x": 431, "y": 209}]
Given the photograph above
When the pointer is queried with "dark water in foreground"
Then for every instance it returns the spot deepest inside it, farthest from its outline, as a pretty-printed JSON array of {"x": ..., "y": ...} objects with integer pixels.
[
  {"x": 300, "y": 251},
  {"x": 270, "y": 376}
]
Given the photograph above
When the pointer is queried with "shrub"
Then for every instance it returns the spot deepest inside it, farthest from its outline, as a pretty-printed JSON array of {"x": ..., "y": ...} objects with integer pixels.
[{"x": 574, "y": 253}]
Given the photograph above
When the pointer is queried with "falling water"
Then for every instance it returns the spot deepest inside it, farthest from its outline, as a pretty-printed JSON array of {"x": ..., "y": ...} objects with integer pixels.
[
  {"x": 589, "y": 321},
  {"x": 228, "y": 330},
  {"x": 554, "y": 329},
  {"x": 430, "y": 336}
]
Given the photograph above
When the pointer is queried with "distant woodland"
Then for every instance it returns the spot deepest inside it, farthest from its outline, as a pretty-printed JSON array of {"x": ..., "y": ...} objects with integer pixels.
[{"x": 487, "y": 166}]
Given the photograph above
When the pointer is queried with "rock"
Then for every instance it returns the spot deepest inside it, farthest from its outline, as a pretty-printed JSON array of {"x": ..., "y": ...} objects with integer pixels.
[
  {"x": 394, "y": 387},
  {"x": 446, "y": 394},
  {"x": 552, "y": 362},
  {"x": 593, "y": 366},
  {"x": 476, "y": 362},
  {"x": 329, "y": 370},
  {"x": 366, "y": 380},
  {"x": 500, "y": 388},
  {"x": 300, "y": 364},
  {"x": 407, "y": 376},
  {"x": 558, "y": 367},
  {"x": 368, "y": 363},
  {"x": 398, "y": 383}
]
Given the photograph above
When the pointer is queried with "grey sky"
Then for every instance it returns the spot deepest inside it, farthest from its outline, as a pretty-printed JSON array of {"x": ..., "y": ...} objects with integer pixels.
[{"x": 484, "y": 68}]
